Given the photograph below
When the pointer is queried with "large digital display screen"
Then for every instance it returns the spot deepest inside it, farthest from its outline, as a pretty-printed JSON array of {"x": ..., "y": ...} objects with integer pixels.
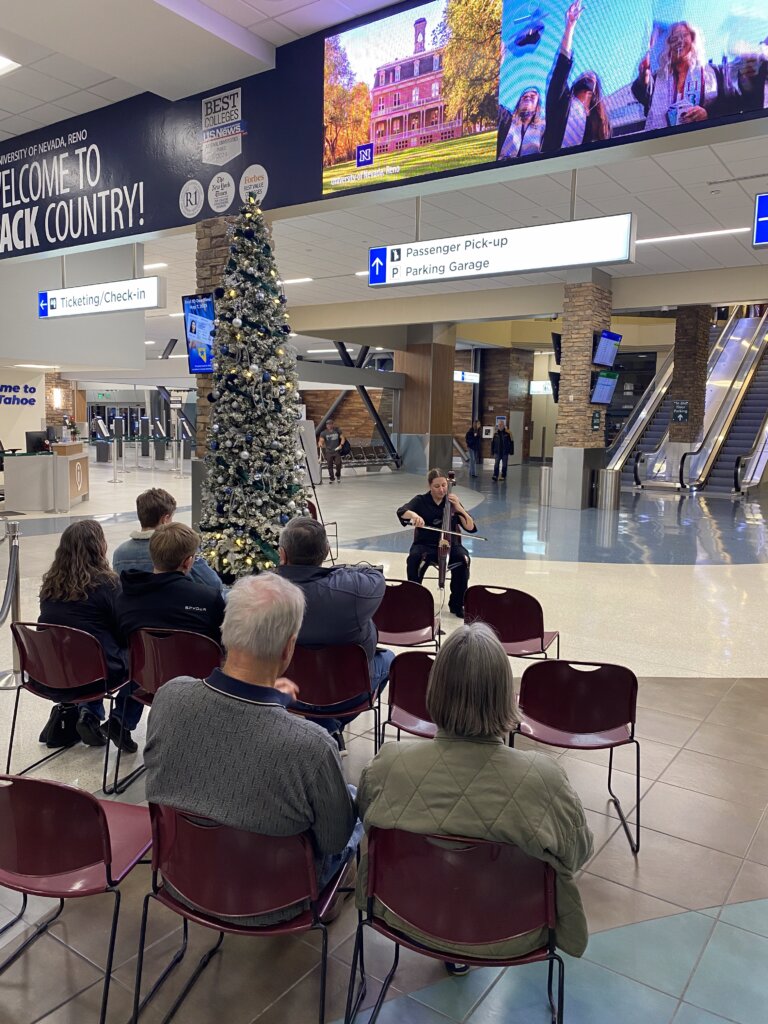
[
  {"x": 461, "y": 83},
  {"x": 605, "y": 385},
  {"x": 199, "y": 315},
  {"x": 606, "y": 346}
]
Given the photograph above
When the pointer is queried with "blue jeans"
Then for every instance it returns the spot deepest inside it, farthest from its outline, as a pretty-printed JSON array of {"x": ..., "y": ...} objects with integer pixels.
[
  {"x": 126, "y": 711},
  {"x": 472, "y": 462},
  {"x": 331, "y": 864},
  {"x": 379, "y": 668}
]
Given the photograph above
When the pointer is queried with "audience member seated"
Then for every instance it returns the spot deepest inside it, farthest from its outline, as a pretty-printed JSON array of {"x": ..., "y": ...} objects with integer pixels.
[
  {"x": 80, "y": 590},
  {"x": 226, "y": 748},
  {"x": 341, "y": 599},
  {"x": 475, "y": 785},
  {"x": 167, "y": 597},
  {"x": 154, "y": 508}
]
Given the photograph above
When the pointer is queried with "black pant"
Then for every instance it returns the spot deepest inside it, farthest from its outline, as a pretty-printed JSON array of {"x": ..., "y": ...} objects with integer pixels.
[
  {"x": 333, "y": 459},
  {"x": 423, "y": 555},
  {"x": 503, "y": 460}
]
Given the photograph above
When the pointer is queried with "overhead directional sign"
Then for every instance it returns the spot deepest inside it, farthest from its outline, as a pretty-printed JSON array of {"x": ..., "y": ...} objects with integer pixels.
[
  {"x": 112, "y": 297},
  {"x": 760, "y": 236},
  {"x": 465, "y": 377},
  {"x": 576, "y": 243}
]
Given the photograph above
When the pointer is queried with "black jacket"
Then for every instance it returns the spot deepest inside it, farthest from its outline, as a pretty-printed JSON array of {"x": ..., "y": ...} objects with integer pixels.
[
  {"x": 474, "y": 439},
  {"x": 96, "y": 614},
  {"x": 168, "y": 600},
  {"x": 425, "y": 506},
  {"x": 502, "y": 444}
]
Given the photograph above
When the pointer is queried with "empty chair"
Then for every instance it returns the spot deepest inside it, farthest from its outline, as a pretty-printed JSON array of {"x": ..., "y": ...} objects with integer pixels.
[
  {"x": 406, "y": 616},
  {"x": 408, "y": 681},
  {"x": 333, "y": 534},
  {"x": 228, "y": 873},
  {"x": 61, "y": 659},
  {"x": 516, "y": 617},
  {"x": 335, "y": 682},
  {"x": 156, "y": 656},
  {"x": 583, "y": 706},
  {"x": 456, "y": 891},
  {"x": 60, "y": 842}
]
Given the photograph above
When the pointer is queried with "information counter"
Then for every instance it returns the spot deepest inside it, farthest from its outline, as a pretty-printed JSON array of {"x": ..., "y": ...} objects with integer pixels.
[{"x": 47, "y": 483}]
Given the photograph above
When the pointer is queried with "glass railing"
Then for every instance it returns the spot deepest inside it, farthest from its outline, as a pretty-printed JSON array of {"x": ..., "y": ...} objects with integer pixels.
[
  {"x": 749, "y": 467},
  {"x": 726, "y": 386}
]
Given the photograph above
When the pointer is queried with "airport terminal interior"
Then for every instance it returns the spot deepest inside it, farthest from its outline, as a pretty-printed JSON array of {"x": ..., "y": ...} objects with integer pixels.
[{"x": 439, "y": 259}]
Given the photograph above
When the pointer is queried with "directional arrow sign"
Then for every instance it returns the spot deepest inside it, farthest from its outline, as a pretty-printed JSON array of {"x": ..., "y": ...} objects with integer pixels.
[
  {"x": 42, "y": 304},
  {"x": 761, "y": 220},
  {"x": 680, "y": 410},
  {"x": 598, "y": 241}
]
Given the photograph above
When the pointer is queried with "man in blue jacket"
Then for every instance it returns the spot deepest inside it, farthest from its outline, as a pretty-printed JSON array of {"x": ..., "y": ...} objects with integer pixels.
[{"x": 341, "y": 599}]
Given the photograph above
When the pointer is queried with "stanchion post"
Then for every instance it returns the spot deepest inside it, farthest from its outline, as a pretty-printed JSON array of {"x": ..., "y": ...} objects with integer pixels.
[{"x": 14, "y": 533}]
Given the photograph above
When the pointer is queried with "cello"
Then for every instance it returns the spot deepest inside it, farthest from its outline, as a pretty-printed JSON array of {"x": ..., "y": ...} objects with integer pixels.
[{"x": 444, "y": 544}]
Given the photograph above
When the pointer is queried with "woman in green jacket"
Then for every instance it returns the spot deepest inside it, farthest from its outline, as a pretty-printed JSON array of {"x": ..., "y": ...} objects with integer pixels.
[{"x": 469, "y": 782}]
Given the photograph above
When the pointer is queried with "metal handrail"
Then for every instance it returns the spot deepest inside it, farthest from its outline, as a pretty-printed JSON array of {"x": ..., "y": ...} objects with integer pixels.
[
  {"x": 729, "y": 407},
  {"x": 755, "y": 453},
  {"x": 11, "y": 603}
]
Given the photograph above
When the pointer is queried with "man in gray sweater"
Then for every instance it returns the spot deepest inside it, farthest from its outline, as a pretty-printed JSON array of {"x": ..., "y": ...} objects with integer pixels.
[{"x": 226, "y": 748}]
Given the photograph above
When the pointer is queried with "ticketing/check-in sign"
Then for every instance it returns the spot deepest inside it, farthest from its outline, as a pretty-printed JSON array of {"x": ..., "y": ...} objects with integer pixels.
[
  {"x": 760, "y": 236},
  {"x": 599, "y": 241}
]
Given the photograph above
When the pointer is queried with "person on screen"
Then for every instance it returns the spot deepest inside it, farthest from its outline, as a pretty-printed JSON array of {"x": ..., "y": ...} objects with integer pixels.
[
  {"x": 576, "y": 114},
  {"x": 193, "y": 326},
  {"x": 684, "y": 89},
  {"x": 524, "y": 126}
]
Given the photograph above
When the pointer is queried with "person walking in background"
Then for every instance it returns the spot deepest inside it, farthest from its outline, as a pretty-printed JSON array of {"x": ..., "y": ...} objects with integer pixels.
[
  {"x": 474, "y": 440},
  {"x": 331, "y": 442},
  {"x": 502, "y": 447}
]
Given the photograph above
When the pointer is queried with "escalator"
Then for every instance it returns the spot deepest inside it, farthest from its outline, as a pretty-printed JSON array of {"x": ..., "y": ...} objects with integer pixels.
[
  {"x": 743, "y": 433},
  {"x": 650, "y": 439}
]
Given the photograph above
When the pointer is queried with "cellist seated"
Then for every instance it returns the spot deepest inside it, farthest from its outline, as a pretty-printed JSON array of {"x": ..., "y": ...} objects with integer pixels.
[{"x": 428, "y": 510}]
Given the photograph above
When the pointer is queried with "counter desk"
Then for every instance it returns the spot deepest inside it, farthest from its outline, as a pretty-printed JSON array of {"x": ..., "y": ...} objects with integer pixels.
[{"x": 50, "y": 482}]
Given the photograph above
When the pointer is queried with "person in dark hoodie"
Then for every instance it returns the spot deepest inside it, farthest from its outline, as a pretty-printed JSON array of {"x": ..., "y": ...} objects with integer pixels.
[
  {"x": 341, "y": 599},
  {"x": 167, "y": 598},
  {"x": 80, "y": 590}
]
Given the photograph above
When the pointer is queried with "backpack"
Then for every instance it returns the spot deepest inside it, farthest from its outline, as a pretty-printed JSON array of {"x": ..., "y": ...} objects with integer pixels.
[
  {"x": 61, "y": 728},
  {"x": 346, "y": 448}
]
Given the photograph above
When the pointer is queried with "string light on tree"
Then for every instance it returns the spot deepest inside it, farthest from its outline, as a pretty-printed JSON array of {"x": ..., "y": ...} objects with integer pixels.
[{"x": 254, "y": 461}]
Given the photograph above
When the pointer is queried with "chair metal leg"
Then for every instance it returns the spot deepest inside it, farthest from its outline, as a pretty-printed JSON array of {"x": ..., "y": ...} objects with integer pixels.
[
  {"x": 39, "y": 929},
  {"x": 558, "y": 1011},
  {"x": 178, "y": 956},
  {"x": 385, "y": 986},
  {"x": 205, "y": 959},
  {"x": 354, "y": 1001},
  {"x": 118, "y": 785},
  {"x": 13, "y": 730},
  {"x": 110, "y": 958},
  {"x": 35, "y": 764},
  {"x": 323, "y": 972},
  {"x": 18, "y": 917},
  {"x": 552, "y": 1006},
  {"x": 634, "y": 843}
]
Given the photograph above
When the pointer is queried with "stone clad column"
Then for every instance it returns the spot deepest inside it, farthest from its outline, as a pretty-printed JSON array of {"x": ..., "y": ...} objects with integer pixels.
[
  {"x": 580, "y": 437},
  {"x": 425, "y": 420},
  {"x": 689, "y": 381}
]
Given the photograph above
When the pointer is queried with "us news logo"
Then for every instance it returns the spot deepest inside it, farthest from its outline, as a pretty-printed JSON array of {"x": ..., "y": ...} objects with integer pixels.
[{"x": 222, "y": 127}]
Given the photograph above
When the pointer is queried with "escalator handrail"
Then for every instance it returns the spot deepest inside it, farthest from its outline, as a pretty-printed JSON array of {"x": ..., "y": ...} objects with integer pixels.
[
  {"x": 757, "y": 449},
  {"x": 731, "y": 403}
]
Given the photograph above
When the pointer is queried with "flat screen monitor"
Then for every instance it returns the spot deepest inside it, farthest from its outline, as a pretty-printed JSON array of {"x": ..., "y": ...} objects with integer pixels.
[
  {"x": 37, "y": 441},
  {"x": 606, "y": 346},
  {"x": 557, "y": 346},
  {"x": 199, "y": 314},
  {"x": 605, "y": 385},
  {"x": 50, "y": 433},
  {"x": 554, "y": 379}
]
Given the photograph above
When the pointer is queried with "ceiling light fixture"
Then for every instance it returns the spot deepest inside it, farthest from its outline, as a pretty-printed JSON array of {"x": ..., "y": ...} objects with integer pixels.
[
  {"x": 34, "y": 366},
  {"x": 321, "y": 351},
  {"x": 697, "y": 234},
  {"x": 361, "y": 273},
  {"x": 154, "y": 266},
  {"x": 6, "y": 65},
  {"x": 149, "y": 342},
  {"x": 297, "y": 280}
]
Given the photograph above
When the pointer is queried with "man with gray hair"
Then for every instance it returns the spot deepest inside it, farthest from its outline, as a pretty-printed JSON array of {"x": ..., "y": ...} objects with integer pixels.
[
  {"x": 341, "y": 599},
  {"x": 227, "y": 749}
]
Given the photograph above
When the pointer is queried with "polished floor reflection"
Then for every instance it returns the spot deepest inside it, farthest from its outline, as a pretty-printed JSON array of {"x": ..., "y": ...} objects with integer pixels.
[{"x": 678, "y": 936}]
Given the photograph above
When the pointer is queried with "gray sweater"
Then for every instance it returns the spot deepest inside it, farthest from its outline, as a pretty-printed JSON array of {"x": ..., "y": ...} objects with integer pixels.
[{"x": 231, "y": 752}]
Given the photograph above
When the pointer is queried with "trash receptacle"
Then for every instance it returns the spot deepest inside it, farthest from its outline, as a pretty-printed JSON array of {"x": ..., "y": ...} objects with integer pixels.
[
  {"x": 608, "y": 488},
  {"x": 545, "y": 485}
]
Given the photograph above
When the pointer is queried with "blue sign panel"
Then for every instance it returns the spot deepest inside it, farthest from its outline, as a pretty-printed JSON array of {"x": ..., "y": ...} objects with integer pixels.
[
  {"x": 42, "y": 304},
  {"x": 760, "y": 236},
  {"x": 365, "y": 155},
  {"x": 377, "y": 265}
]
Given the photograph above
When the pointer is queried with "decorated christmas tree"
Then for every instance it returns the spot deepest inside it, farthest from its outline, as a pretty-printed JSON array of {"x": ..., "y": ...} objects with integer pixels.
[{"x": 254, "y": 459}]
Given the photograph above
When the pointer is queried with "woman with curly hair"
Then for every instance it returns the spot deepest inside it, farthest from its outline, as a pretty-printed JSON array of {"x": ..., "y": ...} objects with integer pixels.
[
  {"x": 80, "y": 590},
  {"x": 576, "y": 114}
]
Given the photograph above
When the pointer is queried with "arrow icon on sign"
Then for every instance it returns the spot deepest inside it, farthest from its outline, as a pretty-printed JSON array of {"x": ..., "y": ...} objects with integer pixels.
[
  {"x": 377, "y": 263},
  {"x": 43, "y": 305}
]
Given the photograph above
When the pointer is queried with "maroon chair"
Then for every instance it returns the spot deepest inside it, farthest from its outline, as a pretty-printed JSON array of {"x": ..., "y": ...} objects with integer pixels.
[
  {"x": 155, "y": 656},
  {"x": 406, "y": 616},
  {"x": 61, "y": 842},
  {"x": 333, "y": 535},
  {"x": 459, "y": 891},
  {"x": 516, "y": 618},
  {"x": 336, "y": 682},
  {"x": 229, "y": 873},
  {"x": 583, "y": 706},
  {"x": 62, "y": 659},
  {"x": 408, "y": 681}
]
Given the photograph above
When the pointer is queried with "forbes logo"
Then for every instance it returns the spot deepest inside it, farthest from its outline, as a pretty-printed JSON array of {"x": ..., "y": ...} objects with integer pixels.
[{"x": 365, "y": 155}]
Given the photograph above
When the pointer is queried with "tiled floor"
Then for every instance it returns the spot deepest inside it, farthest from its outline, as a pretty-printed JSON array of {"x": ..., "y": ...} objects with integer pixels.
[{"x": 678, "y": 935}]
